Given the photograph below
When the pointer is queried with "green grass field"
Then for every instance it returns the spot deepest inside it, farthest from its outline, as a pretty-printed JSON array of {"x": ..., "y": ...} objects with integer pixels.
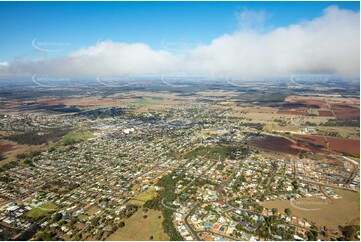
[
  {"x": 210, "y": 152},
  {"x": 146, "y": 101},
  {"x": 41, "y": 211},
  {"x": 142, "y": 197},
  {"x": 76, "y": 136}
]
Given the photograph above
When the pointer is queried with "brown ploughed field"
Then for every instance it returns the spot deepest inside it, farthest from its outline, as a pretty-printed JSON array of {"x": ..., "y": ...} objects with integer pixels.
[
  {"x": 6, "y": 147},
  {"x": 325, "y": 113},
  {"x": 313, "y": 139},
  {"x": 350, "y": 146},
  {"x": 284, "y": 145}
]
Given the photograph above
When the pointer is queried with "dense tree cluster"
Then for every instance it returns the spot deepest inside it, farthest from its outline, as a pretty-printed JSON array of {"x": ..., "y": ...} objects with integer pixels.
[
  {"x": 344, "y": 122},
  {"x": 9, "y": 166},
  {"x": 36, "y": 138},
  {"x": 350, "y": 232},
  {"x": 168, "y": 183}
]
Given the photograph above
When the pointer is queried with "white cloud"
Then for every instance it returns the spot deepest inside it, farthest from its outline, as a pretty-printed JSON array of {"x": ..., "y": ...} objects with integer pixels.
[
  {"x": 328, "y": 44},
  {"x": 248, "y": 19}
]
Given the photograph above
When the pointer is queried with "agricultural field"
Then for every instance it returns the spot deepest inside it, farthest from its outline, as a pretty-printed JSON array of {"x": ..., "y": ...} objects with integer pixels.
[
  {"x": 326, "y": 106},
  {"x": 280, "y": 144},
  {"x": 96, "y": 101},
  {"x": 349, "y": 146}
]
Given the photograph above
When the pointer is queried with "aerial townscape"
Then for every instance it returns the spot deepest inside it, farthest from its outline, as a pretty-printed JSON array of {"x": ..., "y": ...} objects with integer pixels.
[{"x": 179, "y": 156}]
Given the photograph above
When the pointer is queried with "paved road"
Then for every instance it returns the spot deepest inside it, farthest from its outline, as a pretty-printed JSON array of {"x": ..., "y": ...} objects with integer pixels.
[
  {"x": 190, "y": 228},
  {"x": 225, "y": 236},
  {"x": 189, "y": 184},
  {"x": 166, "y": 206},
  {"x": 196, "y": 232},
  {"x": 327, "y": 185}
]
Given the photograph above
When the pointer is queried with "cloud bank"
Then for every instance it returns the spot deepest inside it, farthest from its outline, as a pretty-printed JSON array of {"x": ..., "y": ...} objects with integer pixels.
[{"x": 327, "y": 44}]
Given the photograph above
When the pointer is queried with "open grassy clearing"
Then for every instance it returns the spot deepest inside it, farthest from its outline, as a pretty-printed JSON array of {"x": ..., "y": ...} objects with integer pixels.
[
  {"x": 76, "y": 136},
  {"x": 142, "y": 197},
  {"x": 146, "y": 101},
  {"x": 139, "y": 228},
  {"x": 41, "y": 211},
  {"x": 342, "y": 211},
  {"x": 210, "y": 152}
]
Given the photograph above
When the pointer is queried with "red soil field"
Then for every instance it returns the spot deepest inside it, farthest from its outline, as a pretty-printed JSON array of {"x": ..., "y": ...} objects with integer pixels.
[
  {"x": 77, "y": 102},
  {"x": 345, "y": 111},
  {"x": 340, "y": 106},
  {"x": 350, "y": 146},
  {"x": 325, "y": 113},
  {"x": 316, "y": 140},
  {"x": 291, "y": 112},
  {"x": 284, "y": 145},
  {"x": 6, "y": 147},
  {"x": 312, "y": 102}
]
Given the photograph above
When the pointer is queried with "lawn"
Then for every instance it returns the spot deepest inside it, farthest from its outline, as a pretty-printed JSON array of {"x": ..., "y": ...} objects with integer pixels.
[
  {"x": 142, "y": 197},
  {"x": 139, "y": 228},
  {"x": 41, "y": 211}
]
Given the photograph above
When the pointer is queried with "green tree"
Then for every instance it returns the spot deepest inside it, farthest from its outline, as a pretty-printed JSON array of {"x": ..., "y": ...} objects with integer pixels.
[{"x": 288, "y": 211}]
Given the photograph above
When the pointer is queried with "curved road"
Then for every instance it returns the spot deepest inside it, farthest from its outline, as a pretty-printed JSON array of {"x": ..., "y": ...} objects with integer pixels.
[{"x": 190, "y": 228}]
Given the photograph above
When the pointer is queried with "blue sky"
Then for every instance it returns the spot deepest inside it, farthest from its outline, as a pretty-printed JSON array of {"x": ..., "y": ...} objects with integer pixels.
[
  {"x": 238, "y": 39},
  {"x": 81, "y": 24}
]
